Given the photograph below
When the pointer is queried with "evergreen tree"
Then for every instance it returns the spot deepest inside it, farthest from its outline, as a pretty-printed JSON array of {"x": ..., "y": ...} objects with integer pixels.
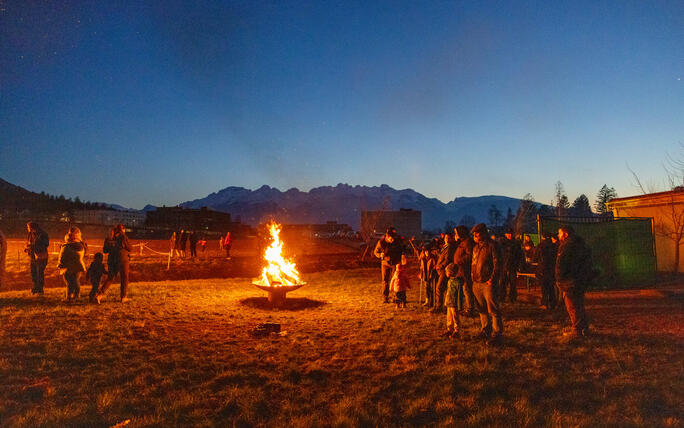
[
  {"x": 605, "y": 194},
  {"x": 581, "y": 207}
]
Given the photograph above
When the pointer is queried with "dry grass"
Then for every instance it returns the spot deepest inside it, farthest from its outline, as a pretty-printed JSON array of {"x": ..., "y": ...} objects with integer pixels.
[{"x": 180, "y": 354}]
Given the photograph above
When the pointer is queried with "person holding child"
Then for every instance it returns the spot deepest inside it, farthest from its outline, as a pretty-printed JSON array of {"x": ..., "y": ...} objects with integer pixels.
[
  {"x": 71, "y": 263},
  {"x": 94, "y": 274}
]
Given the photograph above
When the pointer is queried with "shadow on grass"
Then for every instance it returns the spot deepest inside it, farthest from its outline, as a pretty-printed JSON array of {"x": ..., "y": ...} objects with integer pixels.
[{"x": 291, "y": 303}]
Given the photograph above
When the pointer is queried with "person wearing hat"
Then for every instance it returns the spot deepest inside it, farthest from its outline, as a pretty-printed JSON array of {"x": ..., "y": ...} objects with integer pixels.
[
  {"x": 485, "y": 271},
  {"x": 512, "y": 261},
  {"x": 390, "y": 252}
]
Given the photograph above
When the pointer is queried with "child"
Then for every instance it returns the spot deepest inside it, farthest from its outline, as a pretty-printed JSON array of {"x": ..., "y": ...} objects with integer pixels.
[
  {"x": 95, "y": 273},
  {"x": 427, "y": 273},
  {"x": 399, "y": 284},
  {"x": 453, "y": 301}
]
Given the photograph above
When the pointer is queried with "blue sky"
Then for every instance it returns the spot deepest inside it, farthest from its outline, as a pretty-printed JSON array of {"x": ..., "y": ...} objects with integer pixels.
[{"x": 136, "y": 103}]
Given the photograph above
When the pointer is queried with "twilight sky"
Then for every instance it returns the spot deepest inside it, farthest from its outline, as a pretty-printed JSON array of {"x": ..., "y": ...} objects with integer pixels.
[{"x": 129, "y": 103}]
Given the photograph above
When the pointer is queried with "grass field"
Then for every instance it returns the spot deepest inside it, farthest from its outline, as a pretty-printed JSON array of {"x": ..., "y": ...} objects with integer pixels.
[{"x": 180, "y": 354}]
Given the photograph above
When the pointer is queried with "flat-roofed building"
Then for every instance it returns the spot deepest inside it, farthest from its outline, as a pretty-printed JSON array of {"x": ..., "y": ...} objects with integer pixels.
[
  {"x": 667, "y": 211},
  {"x": 111, "y": 217}
]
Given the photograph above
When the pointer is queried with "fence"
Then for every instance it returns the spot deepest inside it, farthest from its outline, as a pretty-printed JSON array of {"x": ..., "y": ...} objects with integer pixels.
[{"x": 623, "y": 249}]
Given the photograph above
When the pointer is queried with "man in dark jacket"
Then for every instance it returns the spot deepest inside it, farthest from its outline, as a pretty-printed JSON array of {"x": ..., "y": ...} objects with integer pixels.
[
  {"x": 446, "y": 257},
  {"x": 512, "y": 261},
  {"x": 37, "y": 243},
  {"x": 545, "y": 255},
  {"x": 118, "y": 262},
  {"x": 463, "y": 258},
  {"x": 573, "y": 273},
  {"x": 390, "y": 251},
  {"x": 485, "y": 271}
]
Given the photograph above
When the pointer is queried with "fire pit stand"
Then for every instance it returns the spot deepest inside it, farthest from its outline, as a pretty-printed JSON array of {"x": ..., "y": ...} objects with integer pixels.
[{"x": 276, "y": 295}]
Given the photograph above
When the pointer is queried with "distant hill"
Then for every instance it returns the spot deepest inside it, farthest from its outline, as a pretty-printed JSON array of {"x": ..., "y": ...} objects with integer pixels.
[
  {"x": 343, "y": 203},
  {"x": 16, "y": 200}
]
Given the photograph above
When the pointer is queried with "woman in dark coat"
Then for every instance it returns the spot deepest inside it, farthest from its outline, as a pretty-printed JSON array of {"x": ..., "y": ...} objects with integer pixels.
[
  {"x": 71, "y": 263},
  {"x": 118, "y": 262}
]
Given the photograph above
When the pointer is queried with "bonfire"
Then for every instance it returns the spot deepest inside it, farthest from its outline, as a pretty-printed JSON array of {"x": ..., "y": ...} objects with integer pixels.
[{"x": 280, "y": 275}]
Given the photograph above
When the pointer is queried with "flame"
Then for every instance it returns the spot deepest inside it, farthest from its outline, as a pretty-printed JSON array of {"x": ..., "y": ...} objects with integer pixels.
[{"x": 278, "y": 270}]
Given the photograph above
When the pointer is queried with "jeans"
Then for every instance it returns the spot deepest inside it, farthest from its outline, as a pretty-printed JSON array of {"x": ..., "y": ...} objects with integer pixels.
[
  {"x": 38, "y": 275},
  {"x": 487, "y": 305},
  {"x": 386, "y": 272},
  {"x": 122, "y": 267},
  {"x": 574, "y": 303}
]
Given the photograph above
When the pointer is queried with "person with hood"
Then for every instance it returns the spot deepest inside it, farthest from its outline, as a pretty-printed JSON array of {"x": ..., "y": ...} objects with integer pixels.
[
  {"x": 390, "y": 252},
  {"x": 37, "y": 243},
  {"x": 485, "y": 271},
  {"x": 512, "y": 262},
  {"x": 71, "y": 264},
  {"x": 573, "y": 274},
  {"x": 118, "y": 262},
  {"x": 545, "y": 256},
  {"x": 446, "y": 256},
  {"x": 463, "y": 258}
]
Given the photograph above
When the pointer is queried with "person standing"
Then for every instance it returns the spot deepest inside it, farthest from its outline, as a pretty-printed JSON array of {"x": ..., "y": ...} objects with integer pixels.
[
  {"x": 37, "y": 243},
  {"x": 573, "y": 274},
  {"x": 118, "y": 262},
  {"x": 446, "y": 257},
  {"x": 545, "y": 255},
  {"x": 512, "y": 260},
  {"x": 390, "y": 251},
  {"x": 183, "y": 242},
  {"x": 453, "y": 300},
  {"x": 427, "y": 272},
  {"x": 463, "y": 258},
  {"x": 485, "y": 271},
  {"x": 227, "y": 244},
  {"x": 172, "y": 244},
  {"x": 3, "y": 258},
  {"x": 71, "y": 263},
  {"x": 193, "y": 243}
]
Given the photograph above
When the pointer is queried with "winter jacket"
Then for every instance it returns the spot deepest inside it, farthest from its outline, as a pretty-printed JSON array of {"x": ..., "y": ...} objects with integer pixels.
[
  {"x": 446, "y": 256},
  {"x": 512, "y": 254},
  {"x": 400, "y": 280},
  {"x": 546, "y": 259},
  {"x": 463, "y": 258},
  {"x": 118, "y": 248},
  {"x": 71, "y": 257},
  {"x": 390, "y": 253},
  {"x": 486, "y": 264},
  {"x": 37, "y": 244},
  {"x": 427, "y": 266},
  {"x": 573, "y": 264}
]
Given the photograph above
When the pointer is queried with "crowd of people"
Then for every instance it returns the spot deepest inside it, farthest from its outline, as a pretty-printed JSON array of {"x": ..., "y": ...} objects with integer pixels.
[
  {"x": 180, "y": 241},
  {"x": 470, "y": 273}
]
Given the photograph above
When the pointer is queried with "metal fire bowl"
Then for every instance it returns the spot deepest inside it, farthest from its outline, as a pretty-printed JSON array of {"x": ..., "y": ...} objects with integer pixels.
[
  {"x": 282, "y": 288},
  {"x": 276, "y": 295}
]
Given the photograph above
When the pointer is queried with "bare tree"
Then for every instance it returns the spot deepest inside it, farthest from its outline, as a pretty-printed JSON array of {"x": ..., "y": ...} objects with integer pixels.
[{"x": 669, "y": 218}]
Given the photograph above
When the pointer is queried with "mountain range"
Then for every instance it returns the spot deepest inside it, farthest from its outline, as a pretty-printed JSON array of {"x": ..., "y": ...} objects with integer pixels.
[{"x": 343, "y": 203}]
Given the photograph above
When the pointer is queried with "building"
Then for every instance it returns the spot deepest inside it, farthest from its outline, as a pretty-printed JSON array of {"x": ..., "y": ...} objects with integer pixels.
[
  {"x": 110, "y": 217},
  {"x": 330, "y": 229},
  {"x": 667, "y": 211},
  {"x": 190, "y": 219},
  {"x": 409, "y": 223}
]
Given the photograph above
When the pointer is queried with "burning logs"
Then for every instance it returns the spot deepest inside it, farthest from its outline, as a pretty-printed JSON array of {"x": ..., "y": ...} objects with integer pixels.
[{"x": 280, "y": 275}]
